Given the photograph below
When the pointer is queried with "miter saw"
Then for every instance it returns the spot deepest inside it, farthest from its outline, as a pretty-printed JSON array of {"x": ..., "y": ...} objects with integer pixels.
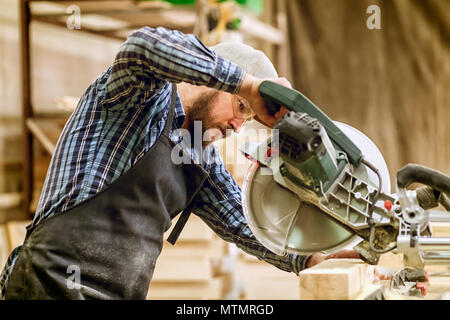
[{"x": 317, "y": 185}]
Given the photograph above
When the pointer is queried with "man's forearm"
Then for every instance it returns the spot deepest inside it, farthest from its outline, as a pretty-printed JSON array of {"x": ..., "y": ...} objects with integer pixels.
[
  {"x": 239, "y": 233},
  {"x": 174, "y": 57},
  {"x": 150, "y": 58},
  {"x": 290, "y": 263}
]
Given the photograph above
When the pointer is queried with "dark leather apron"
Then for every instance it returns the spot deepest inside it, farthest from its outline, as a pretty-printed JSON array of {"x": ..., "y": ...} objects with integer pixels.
[{"x": 113, "y": 238}]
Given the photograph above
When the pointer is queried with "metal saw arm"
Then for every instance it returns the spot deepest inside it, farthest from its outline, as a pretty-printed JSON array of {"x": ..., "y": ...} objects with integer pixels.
[
  {"x": 276, "y": 96},
  {"x": 417, "y": 245},
  {"x": 311, "y": 157}
]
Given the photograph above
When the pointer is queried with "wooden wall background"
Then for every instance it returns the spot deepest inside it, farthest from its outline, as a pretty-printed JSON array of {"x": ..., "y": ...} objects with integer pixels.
[
  {"x": 63, "y": 64},
  {"x": 393, "y": 84}
]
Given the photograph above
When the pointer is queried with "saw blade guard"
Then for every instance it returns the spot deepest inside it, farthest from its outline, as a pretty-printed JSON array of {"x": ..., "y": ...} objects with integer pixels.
[{"x": 284, "y": 223}]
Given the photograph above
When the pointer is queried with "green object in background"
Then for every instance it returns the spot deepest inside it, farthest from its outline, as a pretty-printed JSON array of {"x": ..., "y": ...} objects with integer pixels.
[
  {"x": 276, "y": 96},
  {"x": 181, "y": 2},
  {"x": 253, "y": 5},
  {"x": 234, "y": 24}
]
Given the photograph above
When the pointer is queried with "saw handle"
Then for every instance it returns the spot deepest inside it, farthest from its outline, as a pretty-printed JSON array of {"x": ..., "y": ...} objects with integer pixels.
[
  {"x": 276, "y": 95},
  {"x": 271, "y": 105},
  {"x": 273, "y": 97},
  {"x": 416, "y": 173}
]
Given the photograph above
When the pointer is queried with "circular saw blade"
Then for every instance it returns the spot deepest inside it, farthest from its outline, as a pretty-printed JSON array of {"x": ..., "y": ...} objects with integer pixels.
[{"x": 283, "y": 223}]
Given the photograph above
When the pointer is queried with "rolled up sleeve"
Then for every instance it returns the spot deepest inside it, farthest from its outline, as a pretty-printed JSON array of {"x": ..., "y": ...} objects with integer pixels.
[{"x": 150, "y": 57}]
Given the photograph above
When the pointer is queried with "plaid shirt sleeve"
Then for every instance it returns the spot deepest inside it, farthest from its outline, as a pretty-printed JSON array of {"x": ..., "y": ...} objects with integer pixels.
[
  {"x": 150, "y": 58},
  {"x": 219, "y": 205}
]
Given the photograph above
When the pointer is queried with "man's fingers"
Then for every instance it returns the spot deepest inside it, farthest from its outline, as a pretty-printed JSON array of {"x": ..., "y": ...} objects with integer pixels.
[
  {"x": 352, "y": 254},
  {"x": 380, "y": 275},
  {"x": 250, "y": 91},
  {"x": 344, "y": 254},
  {"x": 281, "y": 113},
  {"x": 315, "y": 258},
  {"x": 271, "y": 120}
]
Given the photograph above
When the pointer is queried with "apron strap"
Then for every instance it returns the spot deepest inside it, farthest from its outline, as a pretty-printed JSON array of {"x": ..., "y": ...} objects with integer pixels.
[
  {"x": 187, "y": 211},
  {"x": 173, "y": 237}
]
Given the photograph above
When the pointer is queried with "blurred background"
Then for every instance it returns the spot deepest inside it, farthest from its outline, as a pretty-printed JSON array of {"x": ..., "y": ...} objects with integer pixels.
[{"x": 389, "y": 78}]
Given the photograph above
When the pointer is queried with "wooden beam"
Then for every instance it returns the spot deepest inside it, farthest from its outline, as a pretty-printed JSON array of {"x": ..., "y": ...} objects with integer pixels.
[
  {"x": 261, "y": 30},
  {"x": 194, "y": 231},
  {"x": 40, "y": 135},
  {"x": 61, "y": 24},
  {"x": 440, "y": 229},
  {"x": 4, "y": 246},
  {"x": 46, "y": 131},
  {"x": 267, "y": 47},
  {"x": 176, "y": 270},
  {"x": 16, "y": 231},
  {"x": 212, "y": 289},
  {"x": 93, "y": 7},
  {"x": 10, "y": 200},
  {"x": 334, "y": 279},
  {"x": 27, "y": 110},
  {"x": 283, "y": 56}
]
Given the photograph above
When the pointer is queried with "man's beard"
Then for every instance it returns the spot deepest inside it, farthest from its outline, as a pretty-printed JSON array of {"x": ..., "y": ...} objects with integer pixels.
[{"x": 201, "y": 111}]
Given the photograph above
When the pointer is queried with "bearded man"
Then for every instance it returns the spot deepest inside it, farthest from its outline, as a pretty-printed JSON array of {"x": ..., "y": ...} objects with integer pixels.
[{"x": 113, "y": 187}]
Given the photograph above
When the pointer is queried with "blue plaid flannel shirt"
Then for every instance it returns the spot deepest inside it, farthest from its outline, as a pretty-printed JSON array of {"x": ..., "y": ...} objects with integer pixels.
[{"x": 122, "y": 114}]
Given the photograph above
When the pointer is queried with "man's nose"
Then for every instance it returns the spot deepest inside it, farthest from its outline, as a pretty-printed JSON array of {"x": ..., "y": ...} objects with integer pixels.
[{"x": 236, "y": 124}]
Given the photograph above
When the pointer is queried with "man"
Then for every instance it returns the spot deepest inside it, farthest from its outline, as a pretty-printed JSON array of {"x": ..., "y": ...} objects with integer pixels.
[{"x": 112, "y": 187}]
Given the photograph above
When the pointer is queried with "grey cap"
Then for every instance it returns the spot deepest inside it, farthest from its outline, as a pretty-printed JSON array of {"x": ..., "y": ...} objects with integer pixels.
[{"x": 252, "y": 61}]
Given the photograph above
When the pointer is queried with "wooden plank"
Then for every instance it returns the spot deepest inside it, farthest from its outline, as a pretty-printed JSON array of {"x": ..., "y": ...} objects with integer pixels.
[
  {"x": 4, "y": 246},
  {"x": 10, "y": 200},
  {"x": 372, "y": 292},
  {"x": 46, "y": 130},
  {"x": 262, "y": 281},
  {"x": 214, "y": 248},
  {"x": 438, "y": 286},
  {"x": 267, "y": 16},
  {"x": 256, "y": 28},
  {"x": 47, "y": 9},
  {"x": 440, "y": 229},
  {"x": 27, "y": 110},
  {"x": 170, "y": 269},
  {"x": 333, "y": 279},
  {"x": 211, "y": 290},
  {"x": 270, "y": 289},
  {"x": 283, "y": 55},
  {"x": 16, "y": 231},
  {"x": 194, "y": 230},
  {"x": 101, "y": 18}
]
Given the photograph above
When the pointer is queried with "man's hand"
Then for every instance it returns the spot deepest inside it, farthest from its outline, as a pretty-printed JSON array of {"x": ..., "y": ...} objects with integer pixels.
[
  {"x": 250, "y": 91},
  {"x": 318, "y": 257}
]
